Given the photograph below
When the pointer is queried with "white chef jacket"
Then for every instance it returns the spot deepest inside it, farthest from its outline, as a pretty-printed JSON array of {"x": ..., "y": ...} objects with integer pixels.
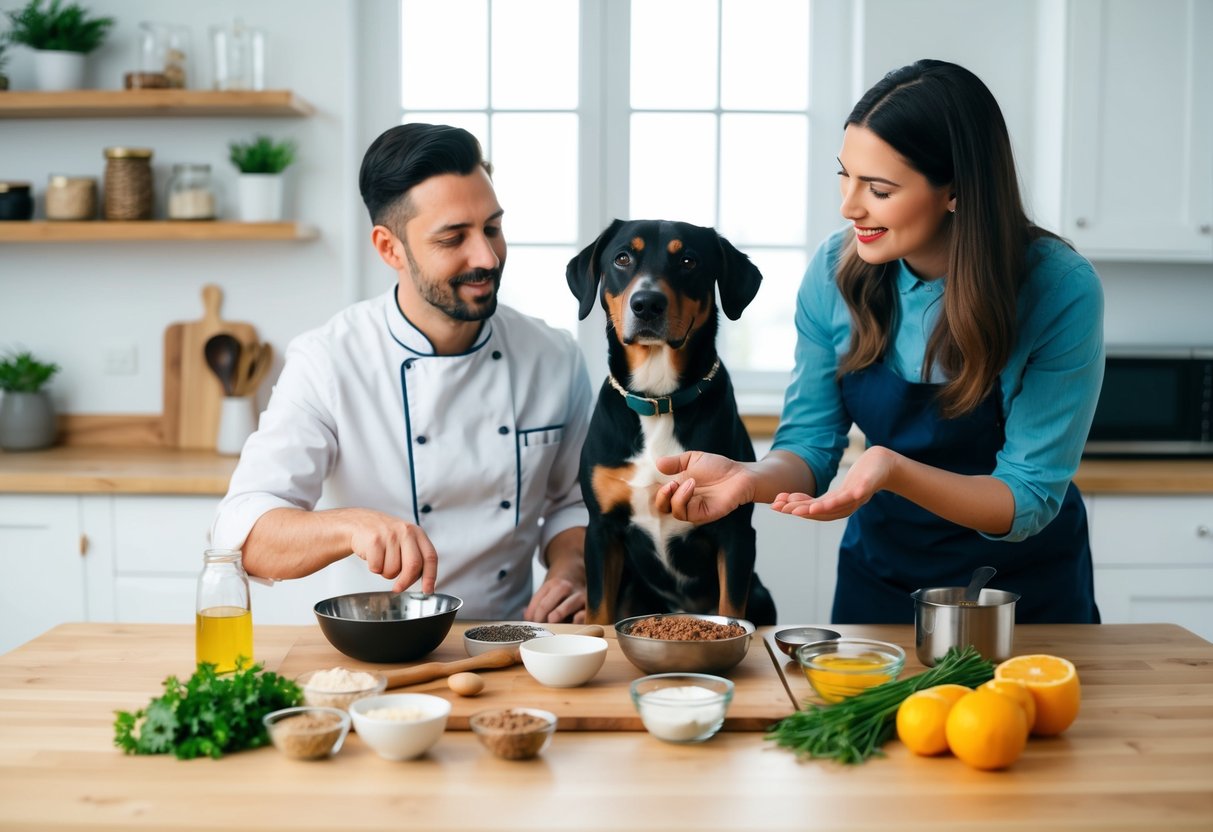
[{"x": 480, "y": 449}]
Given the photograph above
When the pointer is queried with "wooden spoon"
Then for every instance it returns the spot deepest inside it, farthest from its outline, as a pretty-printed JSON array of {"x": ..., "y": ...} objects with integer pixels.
[
  {"x": 505, "y": 657},
  {"x": 258, "y": 367},
  {"x": 223, "y": 357}
]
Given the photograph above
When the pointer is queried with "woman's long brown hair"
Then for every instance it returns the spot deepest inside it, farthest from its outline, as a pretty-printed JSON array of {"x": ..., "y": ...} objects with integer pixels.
[{"x": 946, "y": 124}]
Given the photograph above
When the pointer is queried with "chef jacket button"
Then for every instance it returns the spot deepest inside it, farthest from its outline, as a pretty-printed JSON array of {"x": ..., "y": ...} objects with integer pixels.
[
  {"x": 501, "y": 575},
  {"x": 503, "y": 430},
  {"x": 505, "y": 503},
  {"x": 408, "y": 364},
  {"x": 496, "y": 355},
  {"x": 426, "y": 509},
  {"x": 420, "y": 440}
]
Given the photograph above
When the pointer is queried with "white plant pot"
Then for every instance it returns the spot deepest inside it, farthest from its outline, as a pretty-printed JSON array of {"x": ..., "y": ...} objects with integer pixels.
[
  {"x": 56, "y": 71},
  {"x": 259, "y": 197}
]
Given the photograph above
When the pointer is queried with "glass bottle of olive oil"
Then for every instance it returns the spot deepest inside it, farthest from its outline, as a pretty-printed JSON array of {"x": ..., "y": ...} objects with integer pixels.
[{"x": 224, "y": 618}]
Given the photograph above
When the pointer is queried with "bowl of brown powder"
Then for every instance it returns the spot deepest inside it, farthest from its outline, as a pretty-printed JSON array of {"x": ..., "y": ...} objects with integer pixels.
[
  {"x": 684, "y": 642},
  {"x": 514, "y": 733},
  {"x": 308, "y": 733}
]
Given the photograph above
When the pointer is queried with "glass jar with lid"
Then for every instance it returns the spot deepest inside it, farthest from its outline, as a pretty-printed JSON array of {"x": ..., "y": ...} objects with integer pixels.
[
  {"x": 191, "y": 193},
  {"x": 223, "y": 615},
  {"x": 16, "y": 201}
]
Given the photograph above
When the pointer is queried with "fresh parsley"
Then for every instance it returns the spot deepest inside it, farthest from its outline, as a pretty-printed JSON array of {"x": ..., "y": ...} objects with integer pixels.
[{"x": 207, "y": 715}]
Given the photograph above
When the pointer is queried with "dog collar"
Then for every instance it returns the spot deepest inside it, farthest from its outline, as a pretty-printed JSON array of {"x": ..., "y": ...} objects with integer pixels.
[{"x": 665, "y": 404}]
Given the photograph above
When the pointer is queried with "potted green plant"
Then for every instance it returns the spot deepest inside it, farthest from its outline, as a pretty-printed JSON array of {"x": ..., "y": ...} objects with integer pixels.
[
  {"x": 259, "y": 187},
  {"x": 27, "y": 417},
  {"x": 60, "y": 36}
]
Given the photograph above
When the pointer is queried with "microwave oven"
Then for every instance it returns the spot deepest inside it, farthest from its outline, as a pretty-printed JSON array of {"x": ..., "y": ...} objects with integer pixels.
[{"x": 1154, "y": 403}]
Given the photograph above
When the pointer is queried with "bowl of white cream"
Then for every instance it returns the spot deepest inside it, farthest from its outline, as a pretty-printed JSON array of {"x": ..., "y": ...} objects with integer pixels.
[{"x": 682, "y": 707}]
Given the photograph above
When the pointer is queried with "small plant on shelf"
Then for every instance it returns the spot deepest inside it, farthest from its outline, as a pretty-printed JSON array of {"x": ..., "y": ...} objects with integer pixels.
[
  {"x": 22, "y": 373},
  {"x": 262, "y": 155},
  {"x": 57, "y": 28}
]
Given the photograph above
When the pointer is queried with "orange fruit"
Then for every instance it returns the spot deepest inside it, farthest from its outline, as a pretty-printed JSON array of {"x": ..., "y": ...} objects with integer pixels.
[
  {"x": 951, "y": 692},
  {"x": 1018, "y": 691},
  {"x": 987, "y": 730},
  {"x": 1053, "y": 683},
  {"x": 921, "y": 719}
]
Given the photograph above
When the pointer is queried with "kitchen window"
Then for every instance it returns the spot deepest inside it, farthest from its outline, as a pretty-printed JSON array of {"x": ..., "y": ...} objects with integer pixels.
[{"x": 695, "y": 110}]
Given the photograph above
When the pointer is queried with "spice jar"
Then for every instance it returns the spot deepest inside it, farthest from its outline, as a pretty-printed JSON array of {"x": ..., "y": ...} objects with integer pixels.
[
  {"x": 224, "y": 619},
  {"x": 163, "y": 53},
  {"x": 191, "y": 195},
  {"x": 128, "y": 183},
  {"x": 16, "y": 203},
  {"x": 71, "y": 198}
]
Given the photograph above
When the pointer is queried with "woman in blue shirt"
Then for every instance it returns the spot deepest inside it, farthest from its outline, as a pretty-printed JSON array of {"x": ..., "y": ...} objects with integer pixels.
[{"x": 965, "y": 342}]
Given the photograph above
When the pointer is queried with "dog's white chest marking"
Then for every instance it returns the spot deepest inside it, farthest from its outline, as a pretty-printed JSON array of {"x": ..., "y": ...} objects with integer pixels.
[{"x": 656, "y": 377}]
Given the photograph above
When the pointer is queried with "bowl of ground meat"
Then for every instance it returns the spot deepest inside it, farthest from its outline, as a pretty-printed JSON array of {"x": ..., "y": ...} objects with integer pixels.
[{"x": 684, "y": 642}]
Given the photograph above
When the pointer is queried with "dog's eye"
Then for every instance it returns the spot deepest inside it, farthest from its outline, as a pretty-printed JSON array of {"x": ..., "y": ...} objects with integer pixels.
[
  {"x": 689, "y": 263},
  {"x": 623, "y": 259}
]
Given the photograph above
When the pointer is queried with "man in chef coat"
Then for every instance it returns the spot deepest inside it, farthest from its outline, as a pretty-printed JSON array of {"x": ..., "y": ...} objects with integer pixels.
[{"x": 427, "y": 436}]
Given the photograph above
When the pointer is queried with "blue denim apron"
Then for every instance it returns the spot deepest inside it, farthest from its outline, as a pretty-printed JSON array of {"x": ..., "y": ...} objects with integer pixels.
[{"x": 892, "y": 546}]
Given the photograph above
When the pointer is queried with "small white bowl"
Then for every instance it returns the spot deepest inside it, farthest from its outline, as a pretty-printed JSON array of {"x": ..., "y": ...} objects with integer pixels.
[
  {"x": 321, "y": 698},
  {"x": 563, "y": 660},
  {"x": 400, "y": 739}
]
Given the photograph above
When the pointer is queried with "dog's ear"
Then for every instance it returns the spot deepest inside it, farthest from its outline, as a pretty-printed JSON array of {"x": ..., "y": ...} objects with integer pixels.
[
  {"x": 582, "y": 271},
  {"x": 739, "y": 282}
]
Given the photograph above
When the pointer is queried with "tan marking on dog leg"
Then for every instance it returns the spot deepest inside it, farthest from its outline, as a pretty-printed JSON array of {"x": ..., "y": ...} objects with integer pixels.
[
  {"x": 637, "y": 243},
  {"x": 674, "y": 246},
  {"x": 612, "y": 486},
  {"x": 612, "y": 574},
  {"x": 728, "y": 606}
]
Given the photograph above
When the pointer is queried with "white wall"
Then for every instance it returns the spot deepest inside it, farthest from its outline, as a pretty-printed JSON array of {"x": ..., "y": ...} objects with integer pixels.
[{"x": 70, "y": 303}]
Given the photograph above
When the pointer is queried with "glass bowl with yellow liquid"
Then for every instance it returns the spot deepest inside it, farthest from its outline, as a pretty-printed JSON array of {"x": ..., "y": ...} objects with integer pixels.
[{"x": 842, "y": 667}]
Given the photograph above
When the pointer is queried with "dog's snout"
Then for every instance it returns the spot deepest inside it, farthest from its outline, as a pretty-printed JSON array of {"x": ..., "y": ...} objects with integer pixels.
[{"x": 648, "y": 304}]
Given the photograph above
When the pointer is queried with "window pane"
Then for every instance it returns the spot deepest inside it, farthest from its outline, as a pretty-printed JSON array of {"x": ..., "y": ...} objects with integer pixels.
[
  {"x": 673, "y": 167},
  {"x": 535, "y": 54},
  {"x": 535, "y": 171},
  {"x": 765, "y": 56},
  {"x": 475, "y": 123},
  {"x": 762, "y": 189},
  {"x": 674, "y": 54},
  {"x": 533, "y": 282},
  {"x": 444, "y": 54},
  {"x": 764, "y": 337}
]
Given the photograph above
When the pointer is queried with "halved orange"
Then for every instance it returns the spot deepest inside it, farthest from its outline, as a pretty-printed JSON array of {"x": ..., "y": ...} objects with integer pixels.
[
  {"x": 1053, "y": 683},
  {"x": 1018, "y": 691}
]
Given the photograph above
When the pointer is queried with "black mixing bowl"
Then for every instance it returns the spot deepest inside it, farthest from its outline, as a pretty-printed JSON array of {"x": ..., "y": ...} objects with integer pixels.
[{"x": 386, "y": 626}]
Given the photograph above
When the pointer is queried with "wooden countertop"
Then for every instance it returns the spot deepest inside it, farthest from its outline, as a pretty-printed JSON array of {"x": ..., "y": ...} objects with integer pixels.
[
  {"x": 150, "y": 470},
  {"x": 1139, "y": 757}
]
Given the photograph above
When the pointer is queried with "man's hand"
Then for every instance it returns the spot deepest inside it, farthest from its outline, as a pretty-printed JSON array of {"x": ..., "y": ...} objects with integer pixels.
[
  {"x": 561, "y": 596},
  {"x": 705, "y": 487},
  {"x": 393, "y": 548}
]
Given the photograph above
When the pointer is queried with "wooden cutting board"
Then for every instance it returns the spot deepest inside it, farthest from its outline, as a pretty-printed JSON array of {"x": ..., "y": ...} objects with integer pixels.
[
  {"x": 193, "y": 394},
  {"x": 603, "y": 704}
]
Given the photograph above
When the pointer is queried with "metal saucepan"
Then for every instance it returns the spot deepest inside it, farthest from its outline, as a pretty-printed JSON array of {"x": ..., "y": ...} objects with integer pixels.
[{"x": 942, "y": 620}]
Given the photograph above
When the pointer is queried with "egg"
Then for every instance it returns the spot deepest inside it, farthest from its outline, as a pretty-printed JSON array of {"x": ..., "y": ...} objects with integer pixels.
[{"x": 465, "y": 684}]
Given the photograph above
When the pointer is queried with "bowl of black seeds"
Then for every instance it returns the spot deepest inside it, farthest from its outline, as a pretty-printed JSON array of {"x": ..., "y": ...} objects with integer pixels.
[{"x": 505, "y": 635}]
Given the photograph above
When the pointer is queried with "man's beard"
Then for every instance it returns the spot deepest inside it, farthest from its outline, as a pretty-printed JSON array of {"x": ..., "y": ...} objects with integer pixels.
[{"x": 444, "y": 295}]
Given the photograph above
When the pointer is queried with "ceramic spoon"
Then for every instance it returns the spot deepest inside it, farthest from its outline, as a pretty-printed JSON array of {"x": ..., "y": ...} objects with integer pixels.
[{"x": 981, "y": 575}]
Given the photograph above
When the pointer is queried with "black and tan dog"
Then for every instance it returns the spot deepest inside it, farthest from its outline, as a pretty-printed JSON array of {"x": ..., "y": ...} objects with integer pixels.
[{"x": 667, "y": 392}]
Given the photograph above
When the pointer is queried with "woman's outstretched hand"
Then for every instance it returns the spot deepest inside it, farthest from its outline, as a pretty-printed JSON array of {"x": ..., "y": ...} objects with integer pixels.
[
  {"x": 869, "y": 474},
  {"x": 705, "y": 487}
]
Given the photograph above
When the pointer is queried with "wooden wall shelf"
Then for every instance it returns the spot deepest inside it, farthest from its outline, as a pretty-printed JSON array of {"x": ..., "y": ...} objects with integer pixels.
[
  {"x": 41, "y": 231},
  {"x": 151, "y": 103}
]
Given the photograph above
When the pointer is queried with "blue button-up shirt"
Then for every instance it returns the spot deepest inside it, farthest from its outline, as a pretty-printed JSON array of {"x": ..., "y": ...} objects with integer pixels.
[{"x": 1049, "y": 386}]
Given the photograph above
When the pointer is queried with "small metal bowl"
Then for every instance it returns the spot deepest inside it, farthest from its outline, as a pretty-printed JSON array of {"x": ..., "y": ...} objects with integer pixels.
[
  {"x": 386, "y": 626},
  {"x": 475, "y": 646},
  {"x": 792, "y": 637},
  {"x": 656, "y": 655}
]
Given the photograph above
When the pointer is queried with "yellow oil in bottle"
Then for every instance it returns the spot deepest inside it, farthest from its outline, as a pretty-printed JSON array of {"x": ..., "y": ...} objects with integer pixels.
[
  {"x": 837, "y": 677},
  {"x": 222, "y": 635}
]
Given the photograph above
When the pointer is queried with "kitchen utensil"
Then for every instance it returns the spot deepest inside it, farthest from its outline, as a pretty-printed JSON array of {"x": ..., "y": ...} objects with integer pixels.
[
  {"x": 386, "y": 626},
  {"x": 655, "y": 655},
  {"x": 563, "y": 661},
  {"x": 942, "y": 620},
  {"x": 981, "y": 576},
  {"x": 396, "y": 738},
  {"x": 842, "y": 667},
  {"x": 792, "y": 637},
  {"x": 192, "y": 395},
  {"x": 261, "y": 357},
  {"x": 682, "y": 707},
  {"x": 322, "y": 696},
  {"x": 223, "y": 356},
  {"x": 496, "y": 636}
]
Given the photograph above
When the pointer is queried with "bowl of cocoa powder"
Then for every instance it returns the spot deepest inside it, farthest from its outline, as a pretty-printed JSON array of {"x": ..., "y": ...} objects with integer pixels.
[
  {"x": 514, "y": 733},
  {"x": 684, "y": 642}
]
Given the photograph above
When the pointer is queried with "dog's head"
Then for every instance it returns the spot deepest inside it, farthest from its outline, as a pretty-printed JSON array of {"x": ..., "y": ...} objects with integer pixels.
[{"x": 659, "y": 278}]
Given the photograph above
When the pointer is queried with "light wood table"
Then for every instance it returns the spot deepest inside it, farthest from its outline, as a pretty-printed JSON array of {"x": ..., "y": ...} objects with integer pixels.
[{"x": 1140, "y": 757}]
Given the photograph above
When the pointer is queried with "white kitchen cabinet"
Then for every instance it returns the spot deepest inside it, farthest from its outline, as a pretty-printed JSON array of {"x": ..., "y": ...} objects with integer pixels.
[
  {"x": 1154, "y": 559},
  {"x": 1136, "y": 113}
]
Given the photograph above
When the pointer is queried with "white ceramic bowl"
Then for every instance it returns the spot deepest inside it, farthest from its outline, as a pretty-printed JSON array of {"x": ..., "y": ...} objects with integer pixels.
[
  {"x": 563, "y": 660},
  {"x": 400, "y": 739}
]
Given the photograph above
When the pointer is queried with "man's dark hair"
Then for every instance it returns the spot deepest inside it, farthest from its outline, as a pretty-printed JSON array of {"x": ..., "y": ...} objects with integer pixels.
[{"x": 407, "y": 155}]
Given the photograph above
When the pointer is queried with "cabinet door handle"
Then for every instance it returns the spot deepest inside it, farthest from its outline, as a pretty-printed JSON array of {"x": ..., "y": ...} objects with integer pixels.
[
  {"x": 84, "y": 544},
  {"x": 1081, "y": 222},
  {"x": 1203, "y": 531}
]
